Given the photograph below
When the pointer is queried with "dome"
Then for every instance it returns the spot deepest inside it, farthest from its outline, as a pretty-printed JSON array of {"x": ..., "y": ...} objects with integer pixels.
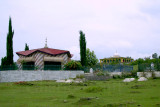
[{"x": 116, "y": 55}]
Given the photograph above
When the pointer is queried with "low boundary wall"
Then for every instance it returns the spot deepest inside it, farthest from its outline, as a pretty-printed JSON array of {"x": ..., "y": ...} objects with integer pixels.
[
  {"x": 140, "y": 74},
  {"x": 148, "y": 74},
  {"x": 15, "y": 76}
]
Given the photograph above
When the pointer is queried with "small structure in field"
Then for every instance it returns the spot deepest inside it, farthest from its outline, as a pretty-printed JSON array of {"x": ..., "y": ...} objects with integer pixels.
[{"x": 43, "y": 58}]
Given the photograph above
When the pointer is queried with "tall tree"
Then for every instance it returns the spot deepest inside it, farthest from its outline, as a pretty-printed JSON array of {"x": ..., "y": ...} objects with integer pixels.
[
  {"x": 8, "y": 59},
  {"x": 26, "y": 47},
  {"x": 91, "y": 58},
  {"x": 10, "y": 43},
  {"x": 82, "y": 48}
]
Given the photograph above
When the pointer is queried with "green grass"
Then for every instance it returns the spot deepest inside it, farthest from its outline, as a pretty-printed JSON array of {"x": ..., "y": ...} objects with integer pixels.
[{"x": 112, "y": 93}]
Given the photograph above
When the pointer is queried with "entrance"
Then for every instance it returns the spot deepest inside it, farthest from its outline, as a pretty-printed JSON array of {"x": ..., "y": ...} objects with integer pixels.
[{"x": 48, "y": 65}]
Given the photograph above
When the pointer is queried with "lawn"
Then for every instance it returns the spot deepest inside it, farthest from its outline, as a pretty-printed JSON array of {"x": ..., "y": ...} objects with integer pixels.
[{"x": 112, "y": 93}]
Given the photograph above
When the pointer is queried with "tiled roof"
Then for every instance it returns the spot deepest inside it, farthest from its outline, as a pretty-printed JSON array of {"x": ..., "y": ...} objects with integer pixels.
[{"x": 44, "y": 50}]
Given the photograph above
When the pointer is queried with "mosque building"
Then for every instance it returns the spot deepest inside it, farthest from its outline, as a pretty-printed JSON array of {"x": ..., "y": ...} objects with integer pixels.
[{"x": 116, "y": 58}]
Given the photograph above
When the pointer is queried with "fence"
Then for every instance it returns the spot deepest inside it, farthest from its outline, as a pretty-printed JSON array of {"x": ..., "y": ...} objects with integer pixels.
[
  {"x": 109, "y": 68},
  {"x": 45, "y": 68},
  {"x": 31, "y": 67},
  {"x": 148, "y": 67},
  {"x": 117, "y": 68}
]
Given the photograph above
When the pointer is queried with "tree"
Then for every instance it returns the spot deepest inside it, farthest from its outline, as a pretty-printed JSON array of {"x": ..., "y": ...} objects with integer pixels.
[
  {"x": 26, "y": 47},
  {"x": 91, "y": 58},
  {"x": 4, "y": 61},
  {"x": 8, "y": 59},
  {"x": 10, "y": 43},
  {"x": 138, "y": 61},
  {"x": 82, "y": 48},
  {"x": 155, "y": 56}
]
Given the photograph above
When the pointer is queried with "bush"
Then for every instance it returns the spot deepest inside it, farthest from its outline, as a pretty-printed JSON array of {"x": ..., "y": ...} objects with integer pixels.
[
  {"x": 71, "y": 96},
  {"x": 23, "y": 83},
  {"x": 153, "y": 75},
  {"x": 100, "y": 74},
  {"x": 126, "y": 75},
  {"x": 117, "y": 76},
  {"x": 132, "y": 74},
  {"x": 94, "y": 89},
  {"x": 80, "y": 76},
  {"x": 73, "y": 65}
]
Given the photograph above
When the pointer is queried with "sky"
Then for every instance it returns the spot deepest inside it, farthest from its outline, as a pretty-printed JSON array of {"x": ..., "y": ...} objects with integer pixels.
[{"x": 130, "y": 27}]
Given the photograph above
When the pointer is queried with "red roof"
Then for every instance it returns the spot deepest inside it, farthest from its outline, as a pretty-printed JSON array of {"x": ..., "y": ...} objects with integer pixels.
[{"x": 44, "y": 50}]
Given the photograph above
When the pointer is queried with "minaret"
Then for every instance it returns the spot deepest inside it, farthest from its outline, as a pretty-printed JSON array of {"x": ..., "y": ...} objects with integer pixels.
[{"x": 46, "y": 44}]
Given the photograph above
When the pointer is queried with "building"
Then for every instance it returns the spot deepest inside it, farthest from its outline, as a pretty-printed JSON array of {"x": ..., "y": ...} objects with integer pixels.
[
  {"x": 116, "y": 59},
  {"x": 43, "y": 58}
]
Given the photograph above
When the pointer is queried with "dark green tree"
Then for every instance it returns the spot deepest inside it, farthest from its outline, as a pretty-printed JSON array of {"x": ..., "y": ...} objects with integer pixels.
[
  {"x": 155, "y": 56},
  {"x": 156, "y": 61},
  {"x": 10, "y": 43},
  {"x": 26, "y": 47},
  {"x": 8, "y": 59},
  {"x": 82, "y": 48},
  {"x": 4, "y": 63},
  {"x": 91, "y": 58}
]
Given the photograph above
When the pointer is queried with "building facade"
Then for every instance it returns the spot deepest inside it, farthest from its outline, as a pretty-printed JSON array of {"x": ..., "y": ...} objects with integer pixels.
[
  {"x": 116, "y": 59},
  {"x": 43, "y": 57}
]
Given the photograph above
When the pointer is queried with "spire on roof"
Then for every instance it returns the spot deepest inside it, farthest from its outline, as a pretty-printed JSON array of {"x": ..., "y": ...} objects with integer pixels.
[
  {"x": 46, "y": 44},
  {"x": 116, "y": 54}
]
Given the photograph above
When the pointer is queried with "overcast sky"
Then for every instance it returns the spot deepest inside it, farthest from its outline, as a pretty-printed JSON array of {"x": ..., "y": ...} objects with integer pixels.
[{"x": 132, "y": 27}]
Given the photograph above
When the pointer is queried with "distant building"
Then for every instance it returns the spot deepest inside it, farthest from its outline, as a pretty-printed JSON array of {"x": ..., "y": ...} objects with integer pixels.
[
  {"x": 43, "y": 58},
  {"x": 116, "y": 59}
]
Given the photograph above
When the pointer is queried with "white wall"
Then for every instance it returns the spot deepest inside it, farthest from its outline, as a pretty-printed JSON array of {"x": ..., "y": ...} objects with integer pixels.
[
  {"x": 139, "y": 74},
  {"x": 148, "y": 74},
  {"x": 15, "y": 76}
]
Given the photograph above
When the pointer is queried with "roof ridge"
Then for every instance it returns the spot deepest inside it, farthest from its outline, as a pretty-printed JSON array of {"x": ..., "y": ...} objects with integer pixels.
[
  {"x": 45, "y": 50},
  {"x": 54, "y": 49}
]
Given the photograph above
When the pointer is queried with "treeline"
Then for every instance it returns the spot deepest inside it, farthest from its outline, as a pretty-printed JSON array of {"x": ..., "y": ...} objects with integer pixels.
[{"x": 147, "y": 63}]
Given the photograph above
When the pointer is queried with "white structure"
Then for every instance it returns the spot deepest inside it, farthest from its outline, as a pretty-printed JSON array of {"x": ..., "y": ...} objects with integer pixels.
[
  {"x": 91, "y": 70},
  {"x": 128, "y": 79},
  {"x": 16, "y": 76},
  {"x": 142, "y": 79}
]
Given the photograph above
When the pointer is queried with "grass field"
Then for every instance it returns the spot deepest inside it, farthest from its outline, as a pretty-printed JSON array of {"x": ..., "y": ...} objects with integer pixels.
[{"x": 112, "y": 93}]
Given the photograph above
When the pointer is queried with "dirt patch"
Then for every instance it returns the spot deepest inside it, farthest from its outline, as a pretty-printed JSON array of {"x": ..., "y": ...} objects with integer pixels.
[{"x": 137, "y": 86}]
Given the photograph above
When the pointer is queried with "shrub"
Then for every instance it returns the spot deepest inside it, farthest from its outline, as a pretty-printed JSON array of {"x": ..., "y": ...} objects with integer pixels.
[
  {"x": 93, "y": 89},
  {"x": 80, "y": 76},
  {"x": 126, "y": 75},
  {"x": 71, "y": 96},
  {"x": 132, "y": 74},
  {"x": 116, "y": 77},
  {"x": 24, "y": 83},
  {"x": 73, "y": 65},
  {"x": 153, "y": 75},
  {"x": 100, "y": 74},
  {"x": 98, "y": 70}
]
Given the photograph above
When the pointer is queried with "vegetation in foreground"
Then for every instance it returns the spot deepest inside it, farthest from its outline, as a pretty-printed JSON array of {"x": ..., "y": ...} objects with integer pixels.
[{"x": 112, "y": 93}]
